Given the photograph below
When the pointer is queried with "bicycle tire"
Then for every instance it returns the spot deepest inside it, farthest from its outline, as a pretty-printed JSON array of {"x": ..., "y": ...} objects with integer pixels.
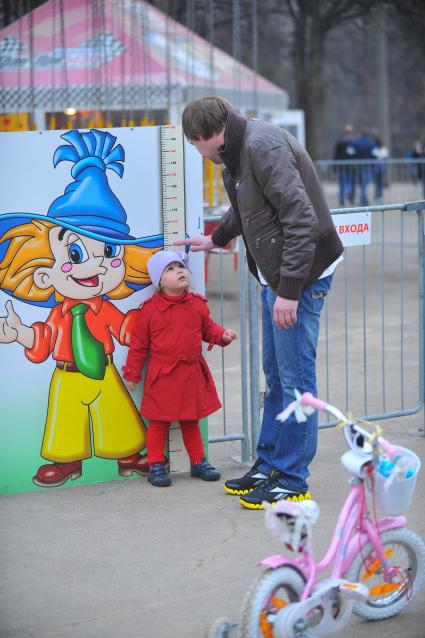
[
  {"x": 403, "y": 549},
  {"x": 263, "y": 596}
]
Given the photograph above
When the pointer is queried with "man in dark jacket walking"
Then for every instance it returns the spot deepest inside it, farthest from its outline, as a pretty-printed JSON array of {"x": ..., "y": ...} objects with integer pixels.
[
  {"x": 278, "y": 207},
  {"x": 365, "y": 147},
  {"x": 345, "y": 150}
]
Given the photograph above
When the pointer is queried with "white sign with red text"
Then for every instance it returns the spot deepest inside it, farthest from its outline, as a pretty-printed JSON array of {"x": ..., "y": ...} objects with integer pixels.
[{"x": 354, "y": 229}]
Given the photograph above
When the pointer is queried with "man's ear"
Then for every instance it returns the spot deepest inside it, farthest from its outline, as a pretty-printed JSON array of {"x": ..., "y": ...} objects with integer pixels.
[{"x": 42, "y": 278}]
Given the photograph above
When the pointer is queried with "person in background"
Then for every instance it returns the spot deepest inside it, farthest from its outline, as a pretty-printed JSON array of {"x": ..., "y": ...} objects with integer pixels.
[
  {"x": 278, "y": 207},
  {"x": 345, "y": 150},
  {"x": 364, "y": 145},
  {"x": 417, "y": 169},
  {"x": 381, "y": 153},
  {"x": 178, "y": 386}
]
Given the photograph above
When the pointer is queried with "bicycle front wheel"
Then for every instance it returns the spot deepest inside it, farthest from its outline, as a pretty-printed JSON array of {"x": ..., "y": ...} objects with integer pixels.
[
  {"x": 405, "y": 553},
  {"x": 268, "y": 594}
]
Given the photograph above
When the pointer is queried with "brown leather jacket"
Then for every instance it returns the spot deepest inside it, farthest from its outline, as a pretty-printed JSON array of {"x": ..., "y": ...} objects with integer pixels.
[{"x": 277, "y": 205}]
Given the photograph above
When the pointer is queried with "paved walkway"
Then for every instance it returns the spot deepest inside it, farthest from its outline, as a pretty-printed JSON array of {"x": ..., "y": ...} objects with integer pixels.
[{"x": 126, "y": 560}]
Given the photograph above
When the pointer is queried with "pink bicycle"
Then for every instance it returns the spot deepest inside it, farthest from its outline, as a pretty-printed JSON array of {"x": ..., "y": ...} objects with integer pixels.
[{"x": 378, "y": 565}]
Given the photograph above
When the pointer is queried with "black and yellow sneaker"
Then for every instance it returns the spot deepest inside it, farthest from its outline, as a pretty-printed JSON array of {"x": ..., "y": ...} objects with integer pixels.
[
  {"x": 246, "y": 483},
  {"x": 271, "y": 491}
]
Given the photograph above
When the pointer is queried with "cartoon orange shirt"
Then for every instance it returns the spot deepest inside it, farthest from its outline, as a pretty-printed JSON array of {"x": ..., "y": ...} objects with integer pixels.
[{"x": 103, "y": 320}]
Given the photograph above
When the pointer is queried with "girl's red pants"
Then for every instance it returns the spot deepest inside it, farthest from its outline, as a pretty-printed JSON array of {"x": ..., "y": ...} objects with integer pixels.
[{"x": 157, "y": 438}]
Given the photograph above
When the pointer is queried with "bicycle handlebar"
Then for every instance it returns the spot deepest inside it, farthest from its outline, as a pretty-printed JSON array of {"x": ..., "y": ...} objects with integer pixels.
[
  {"x": 388, "y": 448},
  {"x": 308, "y": 400}
]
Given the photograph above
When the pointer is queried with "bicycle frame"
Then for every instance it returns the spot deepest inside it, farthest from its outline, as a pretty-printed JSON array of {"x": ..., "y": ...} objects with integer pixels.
[
  {"x": 290, "y": 599},
  {"x": 353, "y": 531}
]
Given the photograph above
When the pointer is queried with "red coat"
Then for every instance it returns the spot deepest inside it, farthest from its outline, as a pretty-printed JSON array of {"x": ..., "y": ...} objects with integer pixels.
[{"x": 178, "y": 383}]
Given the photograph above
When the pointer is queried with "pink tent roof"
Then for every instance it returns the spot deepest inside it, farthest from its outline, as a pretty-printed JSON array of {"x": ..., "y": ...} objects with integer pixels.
[{"x": 127, "y": 44}]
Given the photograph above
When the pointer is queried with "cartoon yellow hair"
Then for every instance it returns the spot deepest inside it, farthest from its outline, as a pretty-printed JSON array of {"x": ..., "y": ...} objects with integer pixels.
[{"x": 29, "y": 249}]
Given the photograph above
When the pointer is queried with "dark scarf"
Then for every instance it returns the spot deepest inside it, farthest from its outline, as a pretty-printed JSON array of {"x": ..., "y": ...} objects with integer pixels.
[{"x": 234, "y": 132}]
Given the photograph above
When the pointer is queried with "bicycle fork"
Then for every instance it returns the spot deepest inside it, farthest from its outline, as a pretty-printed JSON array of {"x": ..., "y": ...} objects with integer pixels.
[{"x": 381, "y": 559}]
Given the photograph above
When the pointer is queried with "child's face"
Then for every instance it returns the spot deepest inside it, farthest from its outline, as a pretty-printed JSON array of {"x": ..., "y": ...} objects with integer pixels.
[
  {"x": 174, "y": 279},
  {"x": 84, "y": 268}
]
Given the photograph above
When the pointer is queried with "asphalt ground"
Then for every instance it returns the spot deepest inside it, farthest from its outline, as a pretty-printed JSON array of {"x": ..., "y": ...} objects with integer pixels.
[{"x": 124, "y": 559}]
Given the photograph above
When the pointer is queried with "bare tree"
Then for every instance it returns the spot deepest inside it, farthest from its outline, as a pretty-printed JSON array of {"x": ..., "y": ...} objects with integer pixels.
[
  {"x": 313, "y": 21},
  {"x": 411, "y": 19}
]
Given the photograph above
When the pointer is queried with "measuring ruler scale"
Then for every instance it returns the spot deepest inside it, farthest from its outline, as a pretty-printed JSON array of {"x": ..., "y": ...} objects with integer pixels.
[
  {"x": 172, "y": 184},
  {"x": 174, "y": 228}
]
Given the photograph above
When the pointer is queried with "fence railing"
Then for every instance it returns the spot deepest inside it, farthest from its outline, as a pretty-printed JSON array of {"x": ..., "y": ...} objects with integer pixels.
[
  {"x": 347, "y": 182},
  {"x": 369, "y": 182},
  {"x": 370, "y": 356}
]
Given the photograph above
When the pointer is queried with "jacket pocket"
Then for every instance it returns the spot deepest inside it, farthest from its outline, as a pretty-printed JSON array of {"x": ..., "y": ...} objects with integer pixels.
[
  {"x": 268, "y": 251},
  {"x": 152, "y": 375}
]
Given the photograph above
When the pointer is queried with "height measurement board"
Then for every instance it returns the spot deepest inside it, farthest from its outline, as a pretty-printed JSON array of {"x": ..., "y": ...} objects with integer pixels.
[
  {"x": 174, "y": 227},
  {"x": 172, "y": 184}
]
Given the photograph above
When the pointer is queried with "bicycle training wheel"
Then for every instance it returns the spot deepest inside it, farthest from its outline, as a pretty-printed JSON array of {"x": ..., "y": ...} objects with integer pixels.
[
  {"x": 221, "y": 628},
  {"x": 268, "y": 594},
  {"x": 405, "y": 551}
]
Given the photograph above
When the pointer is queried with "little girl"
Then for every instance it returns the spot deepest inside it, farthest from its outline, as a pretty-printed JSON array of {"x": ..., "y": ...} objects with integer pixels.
[{"x": 178, "y": 386}]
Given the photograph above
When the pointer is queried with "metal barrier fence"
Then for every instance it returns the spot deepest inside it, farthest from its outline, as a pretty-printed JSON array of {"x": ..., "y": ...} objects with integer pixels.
[
  {"x": 371, "y": 344},
  {"x": 347, "y": 182},
  {"x": 367, "y": 182}
]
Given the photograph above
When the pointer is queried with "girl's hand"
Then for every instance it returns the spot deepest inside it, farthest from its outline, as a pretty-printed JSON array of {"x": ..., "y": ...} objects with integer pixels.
[
  {"x": 131, "y": 385},
  {"x": 229, "y": 335}
]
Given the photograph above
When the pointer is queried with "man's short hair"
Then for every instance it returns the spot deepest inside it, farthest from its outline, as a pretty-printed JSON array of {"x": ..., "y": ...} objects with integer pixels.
[{"x": 205, "y": 117}]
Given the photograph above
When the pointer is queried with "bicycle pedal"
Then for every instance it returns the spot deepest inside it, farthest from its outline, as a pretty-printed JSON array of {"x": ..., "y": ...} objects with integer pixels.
[{"x": 356, "y": 591}]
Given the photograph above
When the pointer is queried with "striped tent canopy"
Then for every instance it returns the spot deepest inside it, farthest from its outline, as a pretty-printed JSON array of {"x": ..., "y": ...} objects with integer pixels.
[{"x": 117, "y": 54}]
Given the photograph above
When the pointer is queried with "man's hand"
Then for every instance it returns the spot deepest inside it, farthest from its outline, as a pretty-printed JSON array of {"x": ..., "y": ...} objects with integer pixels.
[
  {"x": 285, "y": 312},
  {"x": 196, "y": 244},
  {"x": 131, "y": 385},
  {"x": 9, "y": 325},
  {"x": 229, "y": 335}
]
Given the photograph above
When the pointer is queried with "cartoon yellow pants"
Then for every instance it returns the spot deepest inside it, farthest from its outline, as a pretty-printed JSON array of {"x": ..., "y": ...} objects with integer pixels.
[{"x": 74, "y": 401}]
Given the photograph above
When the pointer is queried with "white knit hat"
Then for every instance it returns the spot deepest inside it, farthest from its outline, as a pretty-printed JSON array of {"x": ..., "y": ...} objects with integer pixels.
[{"x": 160, "y": 260}]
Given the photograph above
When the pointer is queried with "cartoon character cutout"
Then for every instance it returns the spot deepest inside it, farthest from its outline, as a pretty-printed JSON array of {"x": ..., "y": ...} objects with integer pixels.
[{"x": 74, "y": 260}]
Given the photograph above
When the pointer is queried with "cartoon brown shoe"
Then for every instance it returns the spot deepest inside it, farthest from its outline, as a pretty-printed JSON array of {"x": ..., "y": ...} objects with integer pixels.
[
  {"x": 137, "y": 464},
  {"x": 56, "y": 474}
]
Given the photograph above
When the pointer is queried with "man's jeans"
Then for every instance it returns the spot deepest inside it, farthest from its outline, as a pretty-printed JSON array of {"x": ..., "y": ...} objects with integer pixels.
[
  {"x": 289, "y": 361},
  {"x": 346, "y": 185}
]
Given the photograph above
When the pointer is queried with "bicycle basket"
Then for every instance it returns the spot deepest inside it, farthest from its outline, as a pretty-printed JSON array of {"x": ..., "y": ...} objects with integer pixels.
[{"x": 394, "y": 491}]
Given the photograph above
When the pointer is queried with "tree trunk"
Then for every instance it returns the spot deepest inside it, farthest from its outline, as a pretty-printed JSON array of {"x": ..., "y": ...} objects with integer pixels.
[{"x": 308, "y": 56}]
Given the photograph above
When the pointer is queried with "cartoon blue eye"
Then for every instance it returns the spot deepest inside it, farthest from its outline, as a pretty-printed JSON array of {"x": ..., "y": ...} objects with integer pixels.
[
  {"x": 111, "y": 250},
  {"x": 77, "y": 252}
]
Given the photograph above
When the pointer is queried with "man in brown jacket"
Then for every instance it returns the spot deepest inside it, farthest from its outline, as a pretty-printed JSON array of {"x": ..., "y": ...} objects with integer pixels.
[{"x": 278, "y": 207}]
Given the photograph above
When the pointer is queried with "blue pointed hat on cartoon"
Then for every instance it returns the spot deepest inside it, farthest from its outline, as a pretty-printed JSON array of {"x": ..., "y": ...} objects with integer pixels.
[{"x": 88, "y": 205}]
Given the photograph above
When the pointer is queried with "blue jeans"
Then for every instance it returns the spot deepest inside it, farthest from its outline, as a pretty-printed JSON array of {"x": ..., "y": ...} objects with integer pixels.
[
  {"x": 346, "y": 185},
  {"x": 289, "y": 361},
  {"x": 364, "y": 179}
]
